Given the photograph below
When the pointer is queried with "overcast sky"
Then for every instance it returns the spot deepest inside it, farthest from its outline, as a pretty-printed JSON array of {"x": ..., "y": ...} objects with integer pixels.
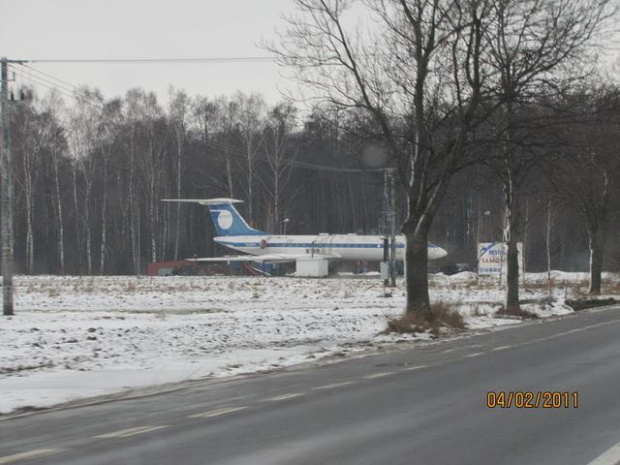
[{"x": 91, "y": 29}]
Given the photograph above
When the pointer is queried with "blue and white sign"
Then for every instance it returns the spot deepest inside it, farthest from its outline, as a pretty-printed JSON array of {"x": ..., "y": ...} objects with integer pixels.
[{"x": 492, "y": 258}]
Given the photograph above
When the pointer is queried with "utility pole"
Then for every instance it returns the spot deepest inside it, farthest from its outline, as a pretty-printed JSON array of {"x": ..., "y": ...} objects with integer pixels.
[
  {"x": 392, "y": 174},
  {"x": 388, "y": 228},
  {"x": 6, "y": 211}
]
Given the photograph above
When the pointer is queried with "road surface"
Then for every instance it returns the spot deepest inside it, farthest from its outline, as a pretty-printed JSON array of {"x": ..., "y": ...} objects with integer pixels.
[{"x": 425, "y": 404}]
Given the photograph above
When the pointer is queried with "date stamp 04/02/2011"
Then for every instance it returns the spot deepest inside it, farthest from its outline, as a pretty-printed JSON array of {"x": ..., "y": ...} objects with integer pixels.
[{"x": 531, "y": 399}]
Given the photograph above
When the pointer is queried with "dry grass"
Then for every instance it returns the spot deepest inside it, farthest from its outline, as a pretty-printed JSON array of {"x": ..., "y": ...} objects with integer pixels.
[
  {"x": 441, "y": 319},
  {"x": 517, "y": 312},
  {"x": 610, "y": 287}
]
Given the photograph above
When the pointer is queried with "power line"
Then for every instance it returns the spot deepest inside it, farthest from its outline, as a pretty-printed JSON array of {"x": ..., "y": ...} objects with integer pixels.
[
  {"x": 256, "y": 59},
  {"x": 45, "y": 82},
  {"x": 37, "y": 81},
  {"x": 30, "y": 68},
  {"x": 79, "y": 95},
  {"x": 33, "y": 80}
]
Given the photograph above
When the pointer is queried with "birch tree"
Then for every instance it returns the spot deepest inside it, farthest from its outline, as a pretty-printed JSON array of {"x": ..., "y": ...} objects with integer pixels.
[
  {"x": 83, "y": 139},
  {"x": 279, "y": 152},
  {"x": 179, "y": 114},
  {"x": 56, "y": 143},
  {"x": 250, "y": 114}
]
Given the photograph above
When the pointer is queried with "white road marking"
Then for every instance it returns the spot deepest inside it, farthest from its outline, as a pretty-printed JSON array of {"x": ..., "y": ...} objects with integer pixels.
[
  {"x": 124, "y": 433},
  {"x": 335, "y": 385},
  {"x": 418, "y": 367},
  {"x": 33, "y": 454},
  {"x": 611, "y": 457},
  {"x": 379, "y": 375},
  {"x": 447, "y": 351},
  {"x": 216, "y": 413},
  {"x": 291, "y": 395},
  {"x": 502, "y": 348},
  {"x": 572, "y": 331},
  {"x": 475, "y": 354}
]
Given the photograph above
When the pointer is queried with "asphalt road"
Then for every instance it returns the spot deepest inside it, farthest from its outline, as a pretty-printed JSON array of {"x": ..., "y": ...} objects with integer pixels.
[{"x": 423, "y": 404}]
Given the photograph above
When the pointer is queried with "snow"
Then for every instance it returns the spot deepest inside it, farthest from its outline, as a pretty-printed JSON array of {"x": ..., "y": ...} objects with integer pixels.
[{"x": 81, "y": 337}]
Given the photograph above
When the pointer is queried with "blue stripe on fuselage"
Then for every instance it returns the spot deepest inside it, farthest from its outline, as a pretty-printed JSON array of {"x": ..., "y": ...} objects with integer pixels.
[{"x": 359, "y": 245}]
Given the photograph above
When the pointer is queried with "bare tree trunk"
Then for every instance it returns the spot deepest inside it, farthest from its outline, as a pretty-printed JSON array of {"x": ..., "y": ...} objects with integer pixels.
[
  {"x": 152, "y": 221},
  {"x": 59, "y": 216},
  {"x": 229, "y": 173},
  {"x": 28, "y": 188},
  {"x": 124, "y": 209},
  {"x": 178, "y": 222},
  {"x": 596, "y": 241},
  {"x": 250, "y": 182},
  {"x": 548, "y": 248},
  {"x": 134, "y": 215},
  {"x": 511, "y": 231},
  {"x": 104, "y": 221},
  {"x": 76, "y": 205},
  {"x": 416, "y": 268},
  {"x": 527, "y": 219},
  {"x": 89, "y": 252}
]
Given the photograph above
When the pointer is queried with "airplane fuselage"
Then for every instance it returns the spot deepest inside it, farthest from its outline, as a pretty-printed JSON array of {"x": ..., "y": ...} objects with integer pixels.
[{"x": 345, "y": 246}]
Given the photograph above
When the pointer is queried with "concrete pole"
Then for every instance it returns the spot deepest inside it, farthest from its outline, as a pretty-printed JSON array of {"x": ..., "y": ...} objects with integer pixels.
[{"x": 6, "y": 187}]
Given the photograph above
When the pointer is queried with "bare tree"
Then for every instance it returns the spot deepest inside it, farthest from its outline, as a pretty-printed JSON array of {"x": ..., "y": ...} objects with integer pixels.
[
  {"x": 179, "y": 114},
  {"x": 29, "y": 148},
  {"x": 530, "y": 44},
  {"x": 590, "y": 168},
  {"x": 56, "y": 144},
  {"x": 109, "y": 129},
  {"x": 83, "y": 139},
  {"x": 414, "y": 67},
  {"x": 250, "y": 114},
  {"x": 279, "y": 152}
]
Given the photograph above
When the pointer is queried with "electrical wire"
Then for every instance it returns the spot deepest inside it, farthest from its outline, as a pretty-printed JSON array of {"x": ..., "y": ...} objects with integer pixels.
[
  {"x": 32, "y": 69},
  {"x": 80, "y": 97},
  {"x": 256, "y": 59}
]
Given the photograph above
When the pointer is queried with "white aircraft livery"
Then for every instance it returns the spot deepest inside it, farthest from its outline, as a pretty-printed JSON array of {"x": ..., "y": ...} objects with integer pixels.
[{"x": 233, "y": 232}]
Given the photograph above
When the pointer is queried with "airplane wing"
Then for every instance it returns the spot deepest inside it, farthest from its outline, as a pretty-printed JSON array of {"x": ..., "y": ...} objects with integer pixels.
[{"x": 267, "y": 258}]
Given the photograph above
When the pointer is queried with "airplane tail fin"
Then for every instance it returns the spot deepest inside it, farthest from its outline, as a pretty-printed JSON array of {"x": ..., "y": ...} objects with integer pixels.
[{"x": 226, "y": 218}]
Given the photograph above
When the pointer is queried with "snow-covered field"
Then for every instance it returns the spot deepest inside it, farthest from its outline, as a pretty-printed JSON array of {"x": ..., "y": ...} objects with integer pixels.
[{"x": 81, "y": 337}]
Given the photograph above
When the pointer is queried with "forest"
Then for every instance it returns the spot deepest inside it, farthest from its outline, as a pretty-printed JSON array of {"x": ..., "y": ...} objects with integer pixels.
[{"x": 90, "y": 173}]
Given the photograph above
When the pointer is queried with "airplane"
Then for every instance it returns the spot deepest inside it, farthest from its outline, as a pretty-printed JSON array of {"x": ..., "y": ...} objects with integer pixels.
[{"x": 310, "y": 252}]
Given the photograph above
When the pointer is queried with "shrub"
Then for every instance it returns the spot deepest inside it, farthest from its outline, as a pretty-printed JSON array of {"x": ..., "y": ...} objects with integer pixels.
[{"x": 441, "y": 318}]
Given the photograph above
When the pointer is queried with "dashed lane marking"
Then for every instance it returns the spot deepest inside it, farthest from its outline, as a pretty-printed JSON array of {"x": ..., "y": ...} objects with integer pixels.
[
  {"x": 379, "y": 375},
  {"x": 334, "y": 385},
  {"x": 124, "y": 433},
  {"x": 502, "y": 348},
  {"x": 291, "y": 395},
  {"x": 475, "y": 354},
  {"x": 33, "y": 454},
  {"x": 610, "y": 457},
  {"x": 418, "y": 367},
  {"x": 216, "y": 413}
]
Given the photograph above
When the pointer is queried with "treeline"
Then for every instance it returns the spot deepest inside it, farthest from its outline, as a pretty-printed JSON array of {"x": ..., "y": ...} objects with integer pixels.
[{"x": 90, "y": 175}]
